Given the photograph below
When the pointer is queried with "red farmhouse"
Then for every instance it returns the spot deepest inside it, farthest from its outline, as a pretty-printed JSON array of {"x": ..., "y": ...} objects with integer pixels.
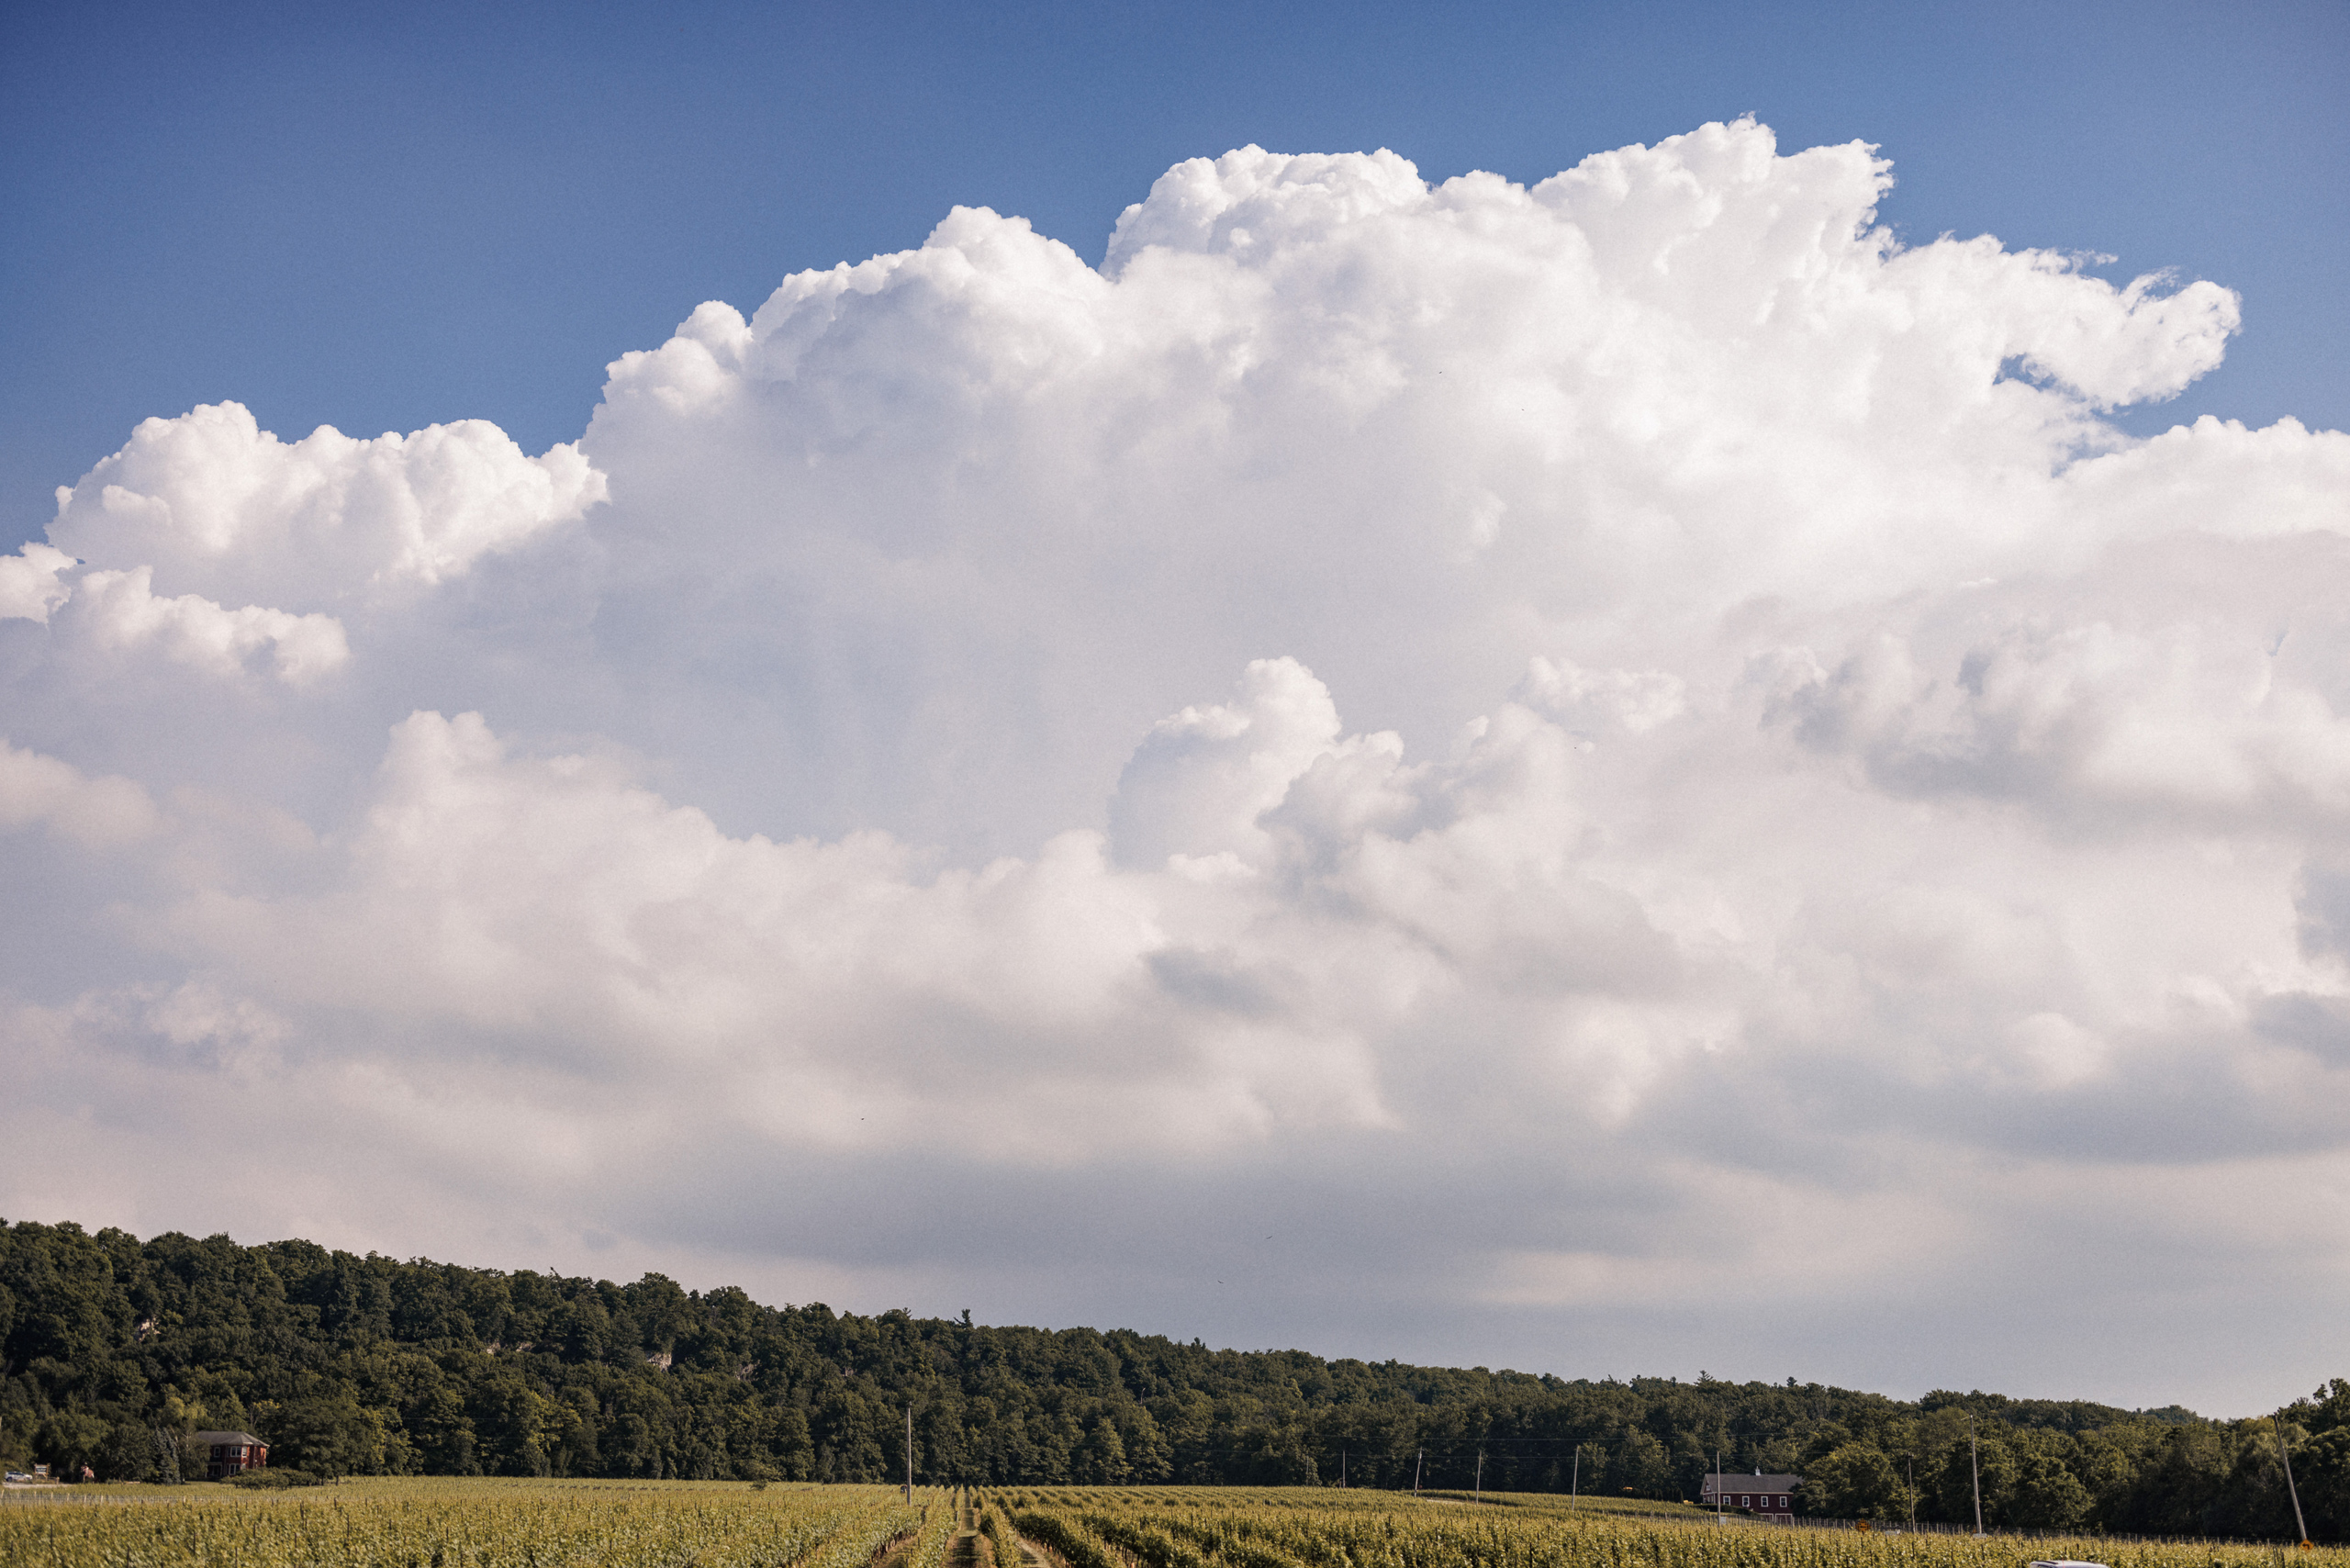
[
  {"x": 231, "y": 1453},
  {"x": 1765, "y": 1497}
]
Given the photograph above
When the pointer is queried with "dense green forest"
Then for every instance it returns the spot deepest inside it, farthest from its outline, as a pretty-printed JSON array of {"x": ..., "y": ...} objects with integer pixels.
[{"x": 112, "y": 1350}]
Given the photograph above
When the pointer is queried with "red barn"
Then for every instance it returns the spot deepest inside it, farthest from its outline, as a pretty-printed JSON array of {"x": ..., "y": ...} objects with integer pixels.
[{"x": 1764, "y": 1496}]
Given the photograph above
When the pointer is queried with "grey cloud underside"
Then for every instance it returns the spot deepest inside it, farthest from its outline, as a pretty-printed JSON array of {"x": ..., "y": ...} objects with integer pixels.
[{"x": 1476, "y": 730}]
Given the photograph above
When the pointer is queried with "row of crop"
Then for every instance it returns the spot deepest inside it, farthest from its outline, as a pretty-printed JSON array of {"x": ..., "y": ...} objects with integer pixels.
[
  {"x": 995, "y": 1524},
  {"x": 934, "y": 1534},
  {"x": 1149, "y": 1541},
  {"x": 1070, "y": 1540},
  {"x": 859, "y": 1540}
]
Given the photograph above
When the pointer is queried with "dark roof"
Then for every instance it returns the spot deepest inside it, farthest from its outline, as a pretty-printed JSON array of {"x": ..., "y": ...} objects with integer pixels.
[
  {"x": 1734, "y": 1482},
  {"x": 243, "y": 1439}
]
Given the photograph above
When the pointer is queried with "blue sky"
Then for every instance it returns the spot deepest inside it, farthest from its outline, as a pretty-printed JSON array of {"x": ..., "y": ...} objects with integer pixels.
[
  {"x": 1581, "y": 779},
  {"x": 377, "y": 218}
]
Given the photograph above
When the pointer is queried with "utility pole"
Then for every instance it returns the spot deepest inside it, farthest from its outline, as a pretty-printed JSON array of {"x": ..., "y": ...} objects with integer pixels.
[
  {"x": 1718, "y": 1486},
  {"x": 910, "y": 1452},
  {"x": 1574, "y": 1476},
  {"x": 2294, "y": 1492},
  {"x": 1342, "y": 1469},
  {"x": 1477, "y": 1493},
  {"x": 1974, "y": 1469},
  {"x": 1418, "y": 1460},
  {"x": 1913, "y": 1493}
]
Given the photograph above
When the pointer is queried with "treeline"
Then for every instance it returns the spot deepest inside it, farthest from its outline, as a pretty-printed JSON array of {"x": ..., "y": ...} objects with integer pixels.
[
  {"x": 2132, "y": 1475},
  {"x": 112, "y": 1350}
]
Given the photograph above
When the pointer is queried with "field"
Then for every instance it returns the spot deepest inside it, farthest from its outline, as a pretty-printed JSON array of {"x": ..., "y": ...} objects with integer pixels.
[
  {"x": 479, "y": 1524},
  {"x": 1232, "y": 1527},
  {"x": 543, "y": 1524}
]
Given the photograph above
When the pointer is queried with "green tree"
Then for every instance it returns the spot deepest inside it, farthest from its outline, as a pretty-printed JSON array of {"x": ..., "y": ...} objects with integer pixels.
[
  {"x": 1856, "y": 1481},
  {"x": 794, "y": 1454},
  {"x": 513, "y": 1421},
  {"x": 1639, "y": 1464},
  {"x": 1953, "y": 1494},
  {"x": 72, "y": 1438},
  {"x": 2047, "y": 1495},
  {"x": 326, "y": 1433},
  {"x": 1146, "y": 1449},
  {"x": 2322, "y": 1470},
  {"x": 1100, "y": 1460},
  {"x": 445, "y": 1434}
]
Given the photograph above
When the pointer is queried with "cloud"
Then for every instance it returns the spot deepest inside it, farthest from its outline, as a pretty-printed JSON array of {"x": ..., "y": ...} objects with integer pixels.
[
  {"x": 2197, "y": 687},
  {"x": 29, "y": 587},
  {"x": 1204, "y": 778},
  {"x": 216, "y": 504},
  {"x": 96, "y": 814},
  {"x": 1491, "y": 726},
  {"x": 118, "y": 612},
  {"x": 1635, "y": 700}
]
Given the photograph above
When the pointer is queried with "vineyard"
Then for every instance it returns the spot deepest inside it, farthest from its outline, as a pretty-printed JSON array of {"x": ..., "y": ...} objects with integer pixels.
[
  {"x": 484, "y": 1524},
  {"x": 558, "y": 1524},
  {"x": 1237, "y": 1528}
]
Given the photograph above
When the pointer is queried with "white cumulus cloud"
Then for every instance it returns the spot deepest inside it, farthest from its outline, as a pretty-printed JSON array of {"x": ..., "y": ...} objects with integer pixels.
[
  {"x": 217, "y": 505},
  {"x": 1491, "y": 728},
  {"x": 29, "y": 587},
  {"x": 120, "y": 610},
  {"x": 94, "y": 812}
]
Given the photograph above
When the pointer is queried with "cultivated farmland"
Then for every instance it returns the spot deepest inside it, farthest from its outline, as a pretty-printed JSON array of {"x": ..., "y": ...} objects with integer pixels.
[{"x": 436, "y": 1523}]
